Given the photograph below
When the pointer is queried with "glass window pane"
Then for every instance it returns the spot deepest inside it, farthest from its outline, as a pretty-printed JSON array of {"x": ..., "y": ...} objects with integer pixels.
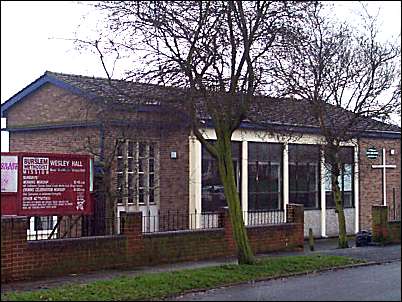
[
  {"x": 345, "y": 183},
  {"x": 347, "y": 177},
  {"x": 304, "y": 175},
  {"x": 346, "y": 155},
  {"x": 131, "y": 148},
  {"x": 264, "y": 175},
  {"x": 120, "y": 164},
  {"x": 265, "y": 152},
  {"x": 141, "y": 180},
  {"x": 151, "y": 165},
  {"x": 304, "y": 153},
  {"x": 141, "y": 197},
  {"x": 130, "y": 167},
  {"x": 213, "y": 197},
  {"x": 43, "y": 223},
  {"x": 130, "y": 180},
  {"x": 141, "y": 149},
  {"x": 141, "y": 165},
  {"x": 151, "y": 196},
  {"x": 151, "y": 180},
  {"x": 130, "y": 198},
  {"x": 151, "y": 151}
]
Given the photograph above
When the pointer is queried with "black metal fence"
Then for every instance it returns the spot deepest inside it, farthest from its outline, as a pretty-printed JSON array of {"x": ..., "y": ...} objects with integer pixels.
[
  {"x": 176, "y": 220},
  {"x": 61, "y": 227},
  {"x": 179, "y": 220},
  {"x": 394, "y": 208},
  {"x": 394, "y": 213}
]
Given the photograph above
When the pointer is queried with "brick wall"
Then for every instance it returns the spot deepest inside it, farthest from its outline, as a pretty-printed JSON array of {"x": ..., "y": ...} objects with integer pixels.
[
  {"x": 57, "y": 140},
  {"x": 23, "y": 260},
  {"x": 384, "y": 231},
  {"x": 174, "y": 173},
  {"x": 49, "y": 104},
  {"x": 370, "y": 180},
  {"x": 56, "y": 106}
]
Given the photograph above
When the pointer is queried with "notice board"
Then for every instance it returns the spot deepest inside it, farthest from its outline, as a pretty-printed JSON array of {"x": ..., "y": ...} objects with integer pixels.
[{"x": 47, "y": 183}]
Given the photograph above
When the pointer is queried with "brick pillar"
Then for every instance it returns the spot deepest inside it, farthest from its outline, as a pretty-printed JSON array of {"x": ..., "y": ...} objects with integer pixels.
[
  {"x": 13, "y": 248},
  {"x": 295, "y": 214},
  {"x": 380, "y": 223},
  {"x": 226, "y": 224},
  {"x": 132, "y": 229}
]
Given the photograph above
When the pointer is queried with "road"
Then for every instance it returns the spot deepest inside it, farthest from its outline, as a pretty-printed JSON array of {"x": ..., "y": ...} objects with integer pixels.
[{"x": 367, "y": 283}]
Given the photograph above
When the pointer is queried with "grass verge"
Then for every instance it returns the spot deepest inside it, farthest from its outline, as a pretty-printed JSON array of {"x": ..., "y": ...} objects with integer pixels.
[{"x": 159, "y": 285}]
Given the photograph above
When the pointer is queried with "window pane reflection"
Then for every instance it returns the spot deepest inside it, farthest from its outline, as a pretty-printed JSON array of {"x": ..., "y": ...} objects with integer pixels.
[{"x": 213, "y": 196}]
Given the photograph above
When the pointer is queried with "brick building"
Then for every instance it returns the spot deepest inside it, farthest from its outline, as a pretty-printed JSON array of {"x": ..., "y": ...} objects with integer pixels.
[{"x": 162, "y": 167}]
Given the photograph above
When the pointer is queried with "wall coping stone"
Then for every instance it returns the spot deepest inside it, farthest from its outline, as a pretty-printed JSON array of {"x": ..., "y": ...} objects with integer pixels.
[
  {"x": 287, "y": 224},
  {"x": 183, "y": 232}
]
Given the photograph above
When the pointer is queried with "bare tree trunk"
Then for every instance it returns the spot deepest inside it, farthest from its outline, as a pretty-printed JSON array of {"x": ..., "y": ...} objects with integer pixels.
[
  {"x": 336, "y": 193},
  {"x": 244, "y": 253}
]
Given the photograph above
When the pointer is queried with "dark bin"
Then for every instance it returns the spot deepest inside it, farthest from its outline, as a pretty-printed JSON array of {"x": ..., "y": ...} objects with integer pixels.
[{"x": 363, "y": 238}]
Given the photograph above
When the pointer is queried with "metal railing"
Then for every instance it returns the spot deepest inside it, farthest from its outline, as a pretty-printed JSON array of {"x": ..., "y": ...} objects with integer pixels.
[
  {"x": 176, "y": 220},
  {"x": 88, "y": 226},
  {"x": 179, "y": 220},
  {"x": 394, "y": 213},
  {"x": 263, "y": 217},
  {"x": 63, "y": 227}
]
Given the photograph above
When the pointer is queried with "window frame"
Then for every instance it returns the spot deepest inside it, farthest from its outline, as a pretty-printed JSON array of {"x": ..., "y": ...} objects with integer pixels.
[
  {"x": 342, "y": 188},
  {"x": 238, "y": 169},
  {"x": 280, "y": 164},
  {"x": 318, "y": 177},
  {"x": 140, "y": 168}
]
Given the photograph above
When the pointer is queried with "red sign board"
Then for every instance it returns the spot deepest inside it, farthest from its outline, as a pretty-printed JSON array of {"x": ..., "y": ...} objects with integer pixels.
[{"x": 46, "y": 184}]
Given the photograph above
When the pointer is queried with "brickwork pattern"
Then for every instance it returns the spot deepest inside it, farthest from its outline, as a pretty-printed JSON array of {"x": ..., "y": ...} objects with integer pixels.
[
  {"x": 49, "y": 104},
  {"x": 370, "y": 180},
  {"x": 24, "y": 260},
  {"x": 56, "y": 106}
]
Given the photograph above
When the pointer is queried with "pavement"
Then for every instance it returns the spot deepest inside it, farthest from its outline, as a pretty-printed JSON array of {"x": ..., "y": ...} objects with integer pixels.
[{"x": 373, "y": 254}]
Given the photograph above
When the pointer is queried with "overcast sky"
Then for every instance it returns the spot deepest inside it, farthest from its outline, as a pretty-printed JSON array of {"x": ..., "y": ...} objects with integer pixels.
[{"x": 33, "y": 37}]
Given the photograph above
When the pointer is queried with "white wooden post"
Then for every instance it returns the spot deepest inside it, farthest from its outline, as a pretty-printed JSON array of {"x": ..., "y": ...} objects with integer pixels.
[
  {"x": 285, "y": 177},
  {"x": 195, "y": 157},
  {"x": 356, "y": 187},
  {"x": 323, "y": 197},
  {"x": 244, "y": 181}
]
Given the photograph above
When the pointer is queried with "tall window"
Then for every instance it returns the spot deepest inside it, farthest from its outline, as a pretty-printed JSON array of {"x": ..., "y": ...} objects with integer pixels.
[
  {"x": 213, "y": 196},
  {"x": 304, "y": 175},
  {"x": 43, "y": 223},
  {"x": 264, "y": 176},
  {"x": 345, "y": 180},
  {"x": 136, "y": 173}
]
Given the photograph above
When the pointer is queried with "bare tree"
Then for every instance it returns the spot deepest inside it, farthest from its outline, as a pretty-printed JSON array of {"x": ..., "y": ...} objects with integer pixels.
[
  {"x": 213, "y": 51},
  {"x": 333, "y": 67}
]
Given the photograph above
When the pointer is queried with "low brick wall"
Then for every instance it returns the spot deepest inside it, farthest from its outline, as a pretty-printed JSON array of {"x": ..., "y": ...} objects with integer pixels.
[
  {"x": 183, "y": 246},
  {"x": 394, "y": 228},
  {"x": 384, "y": 231},
  {"x": 24, "y": 260}
]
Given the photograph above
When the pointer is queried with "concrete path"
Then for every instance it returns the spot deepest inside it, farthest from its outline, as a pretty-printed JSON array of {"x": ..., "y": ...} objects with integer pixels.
[{"x": 327, "y": 246}]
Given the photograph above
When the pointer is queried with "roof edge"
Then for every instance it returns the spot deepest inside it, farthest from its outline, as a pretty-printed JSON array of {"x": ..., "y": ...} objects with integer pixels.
[{"x": 35, "y": 85}]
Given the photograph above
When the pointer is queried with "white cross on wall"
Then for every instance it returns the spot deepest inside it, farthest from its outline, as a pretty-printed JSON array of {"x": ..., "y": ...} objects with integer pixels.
[{"x": 384, "y": 167}]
